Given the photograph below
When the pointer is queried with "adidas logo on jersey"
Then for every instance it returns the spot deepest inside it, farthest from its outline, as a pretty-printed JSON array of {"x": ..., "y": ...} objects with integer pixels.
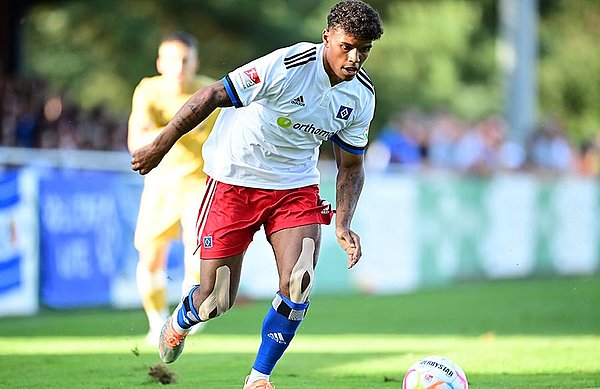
[
  {"x": 298, "y": 101},
  {"x": 277, "y": 337}
]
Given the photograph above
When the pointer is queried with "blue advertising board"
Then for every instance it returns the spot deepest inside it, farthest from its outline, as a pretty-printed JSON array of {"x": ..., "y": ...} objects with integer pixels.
[
  {"x": 87, "y": 224},
  {"x": 81, "y": 237},
  {"x": 10, "y": 256},
  {"x": 18, "y": 244}
]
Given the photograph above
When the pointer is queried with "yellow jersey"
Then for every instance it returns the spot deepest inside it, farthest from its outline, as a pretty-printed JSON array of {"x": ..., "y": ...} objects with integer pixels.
[{"x": 155, "y": 102}]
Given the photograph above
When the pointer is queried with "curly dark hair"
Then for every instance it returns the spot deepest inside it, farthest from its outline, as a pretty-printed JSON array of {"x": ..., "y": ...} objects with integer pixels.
[{"x": 355, "y": 18}]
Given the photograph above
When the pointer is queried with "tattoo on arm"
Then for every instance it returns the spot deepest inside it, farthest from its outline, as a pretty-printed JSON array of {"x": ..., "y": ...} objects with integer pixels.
[
  {"x": 349, "y": 188},
  {"x": 200, "y": 106}
]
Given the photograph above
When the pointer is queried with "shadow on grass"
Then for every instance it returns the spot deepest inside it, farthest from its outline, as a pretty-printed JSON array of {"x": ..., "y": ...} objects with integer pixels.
[{"x": 565, "y": 306}]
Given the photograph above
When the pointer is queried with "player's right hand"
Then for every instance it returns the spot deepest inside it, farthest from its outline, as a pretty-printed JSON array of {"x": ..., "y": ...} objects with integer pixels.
[
  {"x": 350, "y": 242},
  {"x": 144, "y": 159}
]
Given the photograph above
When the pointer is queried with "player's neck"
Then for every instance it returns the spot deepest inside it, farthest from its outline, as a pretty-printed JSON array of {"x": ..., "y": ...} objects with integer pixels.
[
  {"x": 333, "y": 79},
  {"x": 178, "y": 88}
]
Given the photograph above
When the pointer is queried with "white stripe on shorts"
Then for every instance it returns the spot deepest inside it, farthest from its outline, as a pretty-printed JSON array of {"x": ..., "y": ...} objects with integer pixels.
[{"x": 209, "y": 194}]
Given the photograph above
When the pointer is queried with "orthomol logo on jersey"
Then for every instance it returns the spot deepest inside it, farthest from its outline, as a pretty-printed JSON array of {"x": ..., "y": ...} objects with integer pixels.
[{"x": 308, "y": 128}]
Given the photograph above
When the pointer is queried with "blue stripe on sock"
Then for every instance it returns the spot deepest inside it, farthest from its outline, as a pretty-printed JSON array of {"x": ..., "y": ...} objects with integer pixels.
[
  {"x": 293, "y": 305},
  {"x": 192, "y": 308},
  {"x": 183, "y": 319}
]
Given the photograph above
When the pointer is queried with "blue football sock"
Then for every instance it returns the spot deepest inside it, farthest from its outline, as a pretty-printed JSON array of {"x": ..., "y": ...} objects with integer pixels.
[
  {"x": 186, "y": 313},
  {"x": 278, "y": 330}
]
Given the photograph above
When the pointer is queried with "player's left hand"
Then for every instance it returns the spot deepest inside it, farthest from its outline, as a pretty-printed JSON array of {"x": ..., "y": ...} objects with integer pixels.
[
  {"x": 350, "y": 242},
  {"x": 145, "y": 159}
]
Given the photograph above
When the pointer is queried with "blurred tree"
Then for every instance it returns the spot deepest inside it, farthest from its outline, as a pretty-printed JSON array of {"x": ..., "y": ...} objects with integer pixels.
[
  {"x": 433, "y": 55},
  {"x": 98, "y": 50},
  {"x": 94, "y": 50},
  {"x": 570, "y": 65},
  {"x": 438, "y": 53}
]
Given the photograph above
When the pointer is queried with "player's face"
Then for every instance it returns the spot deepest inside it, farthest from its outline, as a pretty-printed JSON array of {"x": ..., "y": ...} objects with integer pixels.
[
  {"x": 177, "y": 62},
  {"x": 344, "y": 54}
]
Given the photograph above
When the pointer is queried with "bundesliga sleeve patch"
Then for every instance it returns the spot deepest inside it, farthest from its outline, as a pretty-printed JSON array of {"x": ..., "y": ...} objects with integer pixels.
[
  {"x": 344, "y": 112},
  {"x": 249, "y": 78}
]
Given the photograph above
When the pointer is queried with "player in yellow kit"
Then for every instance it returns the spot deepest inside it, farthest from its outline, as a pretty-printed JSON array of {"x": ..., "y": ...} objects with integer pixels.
[{"x": 172, "y": 193}]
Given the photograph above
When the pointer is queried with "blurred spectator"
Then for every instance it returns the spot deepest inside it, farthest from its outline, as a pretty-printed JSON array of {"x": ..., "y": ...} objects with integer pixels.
[
  {"x": 403, "y": 142},
  {"x": 589, "y": 157},
  {"x": 484, "y": 149},
  {"x": 32, "y": 116},
  {"x": 549, "y": 150},
  {"x": 21, "y": 111},
  {"x": 446, "y": 131},
  {"x": 442, "y": 141}
]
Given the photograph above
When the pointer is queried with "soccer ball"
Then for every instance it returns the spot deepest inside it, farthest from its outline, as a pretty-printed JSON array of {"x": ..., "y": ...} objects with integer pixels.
[{"x": 435, "y": 372}]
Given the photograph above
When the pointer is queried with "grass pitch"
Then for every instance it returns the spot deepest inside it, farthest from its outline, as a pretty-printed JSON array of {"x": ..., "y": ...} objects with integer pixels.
[{"x": 541, "y": 333}]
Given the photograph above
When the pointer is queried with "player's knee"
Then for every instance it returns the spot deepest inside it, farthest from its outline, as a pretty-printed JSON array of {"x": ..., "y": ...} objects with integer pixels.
[
  {"x": 302, "y": 276},
  {"x": 218, "y": 302},
  {"x": 150, "y": 280}
]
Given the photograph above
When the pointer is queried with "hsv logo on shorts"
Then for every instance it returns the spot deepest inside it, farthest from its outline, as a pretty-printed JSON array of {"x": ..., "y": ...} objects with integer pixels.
[
  {"x": 207, "y": 242},
  {"x": 250, "y": 79},
  {"x": 344, "y": 112}
]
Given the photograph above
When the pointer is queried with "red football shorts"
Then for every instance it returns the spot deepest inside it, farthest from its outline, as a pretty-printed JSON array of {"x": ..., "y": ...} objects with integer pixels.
[{"x": 230, "y": 215}]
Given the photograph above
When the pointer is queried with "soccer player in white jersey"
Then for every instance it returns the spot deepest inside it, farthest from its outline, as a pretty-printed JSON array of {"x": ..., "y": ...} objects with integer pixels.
[{"x": 261, "y": 161}]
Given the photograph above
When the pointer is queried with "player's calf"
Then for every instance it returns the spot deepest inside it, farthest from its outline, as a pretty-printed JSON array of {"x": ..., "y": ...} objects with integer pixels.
[
  {"x": 303, "y": 274},
  {"x": 285, "y": 315},
  {"x": 216, "y": 304},
  {"x": 278, "y": 330}
]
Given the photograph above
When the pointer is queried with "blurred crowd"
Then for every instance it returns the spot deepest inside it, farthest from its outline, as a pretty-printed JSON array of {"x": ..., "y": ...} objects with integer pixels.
[
  {"x": 32, "y": 116},
  {"x": 414, "y": 140}
]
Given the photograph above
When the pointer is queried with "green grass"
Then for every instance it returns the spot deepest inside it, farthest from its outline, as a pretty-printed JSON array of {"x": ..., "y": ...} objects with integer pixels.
[{"x": 541, "y": 333}]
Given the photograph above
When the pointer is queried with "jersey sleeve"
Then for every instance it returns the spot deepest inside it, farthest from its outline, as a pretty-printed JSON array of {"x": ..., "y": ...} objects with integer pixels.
[
  {"x": 355, "y": 137},
  {"x": 256, "y": 80}
]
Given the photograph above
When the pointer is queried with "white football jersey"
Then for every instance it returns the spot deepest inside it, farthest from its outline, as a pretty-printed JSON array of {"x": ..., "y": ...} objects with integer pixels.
[{"x": 284, "y": 108}]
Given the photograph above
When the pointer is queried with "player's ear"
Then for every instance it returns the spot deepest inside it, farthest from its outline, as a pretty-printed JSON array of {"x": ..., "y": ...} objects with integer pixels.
[
  {"x": 193, "y": 58},
  {"x": 325, "y": 36},
  {"x": 158, "y": 65}
]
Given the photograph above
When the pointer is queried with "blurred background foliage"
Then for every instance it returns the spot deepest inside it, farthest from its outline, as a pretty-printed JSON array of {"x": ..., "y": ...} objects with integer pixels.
[{"x": 438, "y": 54}]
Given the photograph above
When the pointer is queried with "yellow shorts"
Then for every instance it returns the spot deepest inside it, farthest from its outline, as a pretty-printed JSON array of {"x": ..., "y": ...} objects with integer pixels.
[{"x": 169, "y": 210}]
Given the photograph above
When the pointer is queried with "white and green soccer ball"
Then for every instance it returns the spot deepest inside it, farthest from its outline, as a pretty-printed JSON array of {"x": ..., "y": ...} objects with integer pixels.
[{"x": 435, "y": 372}]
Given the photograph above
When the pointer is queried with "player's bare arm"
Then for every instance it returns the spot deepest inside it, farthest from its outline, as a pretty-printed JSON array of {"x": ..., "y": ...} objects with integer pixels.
[
  {"x": 193, "y": 112},
  {"x": 349, "y": 183},
  {"x": 141, "y": 129},
  {"x": 140, "y": 135}
]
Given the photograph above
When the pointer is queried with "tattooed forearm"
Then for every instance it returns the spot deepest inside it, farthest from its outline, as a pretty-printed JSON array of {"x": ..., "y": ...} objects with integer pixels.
[
  {"x": 350, "y": 182},
  {"x": 199, "y": 107},
  {"x": 184, "y": 124}
]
